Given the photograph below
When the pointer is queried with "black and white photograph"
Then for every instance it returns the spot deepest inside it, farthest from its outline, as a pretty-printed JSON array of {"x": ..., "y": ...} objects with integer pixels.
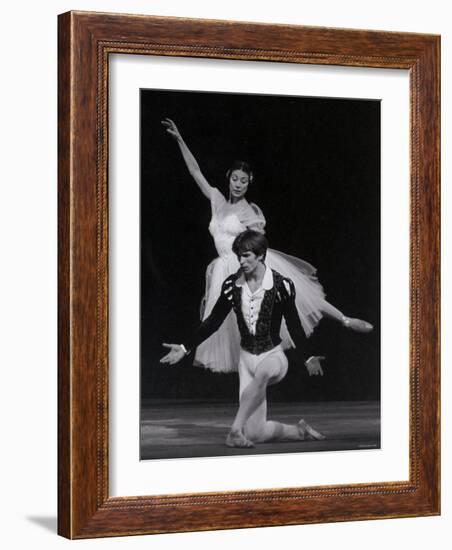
[
  {"x": 260, "y": 274},
  {"x": 141, "y": 140}
]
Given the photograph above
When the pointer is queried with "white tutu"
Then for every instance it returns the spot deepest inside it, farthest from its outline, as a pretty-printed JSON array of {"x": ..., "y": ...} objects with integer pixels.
[{"x": 220, "y": 352}]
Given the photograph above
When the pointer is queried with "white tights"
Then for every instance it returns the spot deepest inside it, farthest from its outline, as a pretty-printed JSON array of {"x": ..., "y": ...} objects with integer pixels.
[{"x": 256, "y": 372}]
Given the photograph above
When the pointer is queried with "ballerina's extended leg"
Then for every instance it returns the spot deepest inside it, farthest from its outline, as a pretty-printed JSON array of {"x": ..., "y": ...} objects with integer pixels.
[{"x": 357, "y": 325}]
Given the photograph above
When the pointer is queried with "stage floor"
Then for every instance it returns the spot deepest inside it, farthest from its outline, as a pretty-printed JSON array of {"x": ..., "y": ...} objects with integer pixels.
[{"x": 182, "y": 429}]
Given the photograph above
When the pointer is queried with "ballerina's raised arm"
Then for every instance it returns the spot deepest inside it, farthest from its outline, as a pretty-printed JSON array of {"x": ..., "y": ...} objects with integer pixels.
[{"x": 190, "y": 161}]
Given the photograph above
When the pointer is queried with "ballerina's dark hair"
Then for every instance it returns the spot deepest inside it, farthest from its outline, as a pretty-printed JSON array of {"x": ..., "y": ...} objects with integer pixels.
[
  {"x": 240, "y": 165},
  {"x": 252, "y": 241}
]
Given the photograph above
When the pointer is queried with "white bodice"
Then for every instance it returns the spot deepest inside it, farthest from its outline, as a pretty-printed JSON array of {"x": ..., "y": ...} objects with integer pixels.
[
  {"x": 224, "y": 231},
  {"x": 229, "y": 220}
]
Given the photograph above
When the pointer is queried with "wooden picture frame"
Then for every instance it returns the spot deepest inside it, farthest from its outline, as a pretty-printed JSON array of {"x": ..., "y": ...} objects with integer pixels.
[{"x": 85, "y": 508}]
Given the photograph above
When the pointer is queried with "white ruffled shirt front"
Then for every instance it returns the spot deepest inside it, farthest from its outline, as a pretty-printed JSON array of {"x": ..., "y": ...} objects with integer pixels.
[{"x": 252, "y": 301}]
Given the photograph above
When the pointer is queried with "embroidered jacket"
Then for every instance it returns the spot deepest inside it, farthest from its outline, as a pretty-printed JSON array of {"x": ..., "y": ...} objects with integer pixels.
[{"x": 278, "y": 302}]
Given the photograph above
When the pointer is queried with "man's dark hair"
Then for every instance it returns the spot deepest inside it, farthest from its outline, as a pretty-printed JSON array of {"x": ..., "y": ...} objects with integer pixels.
[{"x": 252, "y": 241}]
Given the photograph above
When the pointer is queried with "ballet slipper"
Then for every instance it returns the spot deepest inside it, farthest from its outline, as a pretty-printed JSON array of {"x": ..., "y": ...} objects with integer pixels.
[
  {"x": 237, "y": 439},
  {"x": 357, "y": 325},
  {"x": 307, "y": 432}
]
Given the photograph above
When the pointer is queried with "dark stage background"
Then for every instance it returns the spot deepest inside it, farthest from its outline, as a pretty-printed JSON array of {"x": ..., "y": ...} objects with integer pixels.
[{"x": 317, "y": 179}]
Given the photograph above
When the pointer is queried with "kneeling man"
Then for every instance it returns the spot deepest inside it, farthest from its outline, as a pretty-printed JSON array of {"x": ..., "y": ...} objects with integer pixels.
[{"x": 261, "y": 298}]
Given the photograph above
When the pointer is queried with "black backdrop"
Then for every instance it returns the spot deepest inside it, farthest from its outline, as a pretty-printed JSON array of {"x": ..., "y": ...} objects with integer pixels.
[{"x": 317, "y": 179}]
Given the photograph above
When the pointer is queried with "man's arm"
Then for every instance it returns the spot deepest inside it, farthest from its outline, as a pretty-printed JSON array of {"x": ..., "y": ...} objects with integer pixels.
[
  {"x": 295, "y": 329},
  {"x": 210, "y": 325},
  {"x": 213, "y": 322}
]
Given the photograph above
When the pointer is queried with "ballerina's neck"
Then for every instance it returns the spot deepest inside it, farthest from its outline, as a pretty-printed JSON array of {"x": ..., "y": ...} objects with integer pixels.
[{"x": 235, "y": 202}]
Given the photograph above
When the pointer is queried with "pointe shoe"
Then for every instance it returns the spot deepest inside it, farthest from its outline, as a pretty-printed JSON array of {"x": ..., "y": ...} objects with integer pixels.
[
  {"x": 237, "y": 439},
  {"x": 308, "y": 433},
  {"x": 357, "y": 325}
]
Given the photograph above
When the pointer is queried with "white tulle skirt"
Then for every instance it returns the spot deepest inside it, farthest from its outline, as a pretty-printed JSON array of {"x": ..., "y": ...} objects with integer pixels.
[{"x": 220, "y": 352}]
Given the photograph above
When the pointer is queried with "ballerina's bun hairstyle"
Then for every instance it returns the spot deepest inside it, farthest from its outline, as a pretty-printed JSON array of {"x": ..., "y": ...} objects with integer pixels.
[
  {"x": 252, "y": 241},
  {"x": 240, "y": 165}
]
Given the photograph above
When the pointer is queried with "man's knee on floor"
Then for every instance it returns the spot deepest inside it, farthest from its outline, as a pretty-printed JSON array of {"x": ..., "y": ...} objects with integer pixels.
[
  {"x": 254, "y": 433},
  {"x": 267, "y": 431}
]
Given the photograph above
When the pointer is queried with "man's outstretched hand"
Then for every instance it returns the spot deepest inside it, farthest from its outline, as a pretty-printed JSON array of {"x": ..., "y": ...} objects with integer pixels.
[
  {"x": 313, "y": 365},
  {"x": 174, "y": 356}
]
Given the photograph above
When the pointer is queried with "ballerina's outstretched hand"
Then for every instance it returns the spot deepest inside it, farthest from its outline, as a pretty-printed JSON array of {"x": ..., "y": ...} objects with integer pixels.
[
  {"x": 171, "y": 128},
  {"x": 190, "y": 161}
]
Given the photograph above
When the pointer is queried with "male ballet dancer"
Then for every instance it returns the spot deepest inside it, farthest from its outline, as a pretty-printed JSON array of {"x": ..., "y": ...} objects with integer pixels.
[{"x": 260, "y": 298}]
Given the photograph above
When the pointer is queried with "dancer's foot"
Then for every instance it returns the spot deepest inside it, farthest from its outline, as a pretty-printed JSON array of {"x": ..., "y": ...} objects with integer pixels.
[
  {"x": 237, "y": 439},
  {"x": 357, "y": 324},
  {"x": 307, "y": 432}
]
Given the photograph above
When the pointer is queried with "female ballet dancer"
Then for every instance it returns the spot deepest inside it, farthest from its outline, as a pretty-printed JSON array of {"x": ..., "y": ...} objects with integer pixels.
[{"x": 230, "y": 217}]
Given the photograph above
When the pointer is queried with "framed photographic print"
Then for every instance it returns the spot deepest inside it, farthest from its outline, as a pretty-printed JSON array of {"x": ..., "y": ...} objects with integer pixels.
[
  {"x": 248, "y": 275},
  {"x": 329, "y": 194}
]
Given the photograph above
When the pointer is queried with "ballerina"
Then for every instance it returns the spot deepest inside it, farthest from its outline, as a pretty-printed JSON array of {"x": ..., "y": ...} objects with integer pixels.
[{"x": 230, "y": 217}]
